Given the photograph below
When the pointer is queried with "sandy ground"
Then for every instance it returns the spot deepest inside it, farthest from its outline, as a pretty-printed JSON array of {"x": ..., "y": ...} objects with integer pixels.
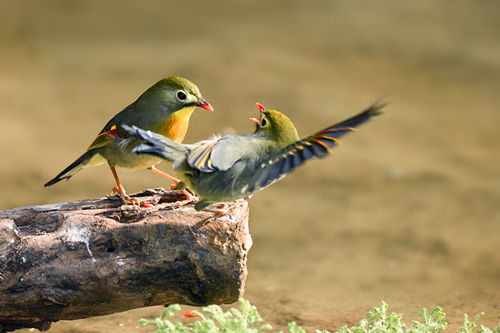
[{"x": 406, "y": 210}]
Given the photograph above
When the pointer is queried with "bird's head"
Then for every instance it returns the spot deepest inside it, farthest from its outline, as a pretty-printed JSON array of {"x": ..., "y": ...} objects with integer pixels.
[
  {"x": 177, "y": 93},
  {"x": 276, "y": 126}
]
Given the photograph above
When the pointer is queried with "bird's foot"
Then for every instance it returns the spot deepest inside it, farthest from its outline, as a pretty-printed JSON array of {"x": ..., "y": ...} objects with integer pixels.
[
  {"x": 190, "y": 197},
  {"x": 181, "y": 186},
  {"x": 115, "y": 190},
  {"x": 218, "y": 212},
  {"x": 130, "y": 201},
  {"x": 120, "y": 191},
  {"x": 221, "y": 211},
  {"x": 178, "y": 184}
]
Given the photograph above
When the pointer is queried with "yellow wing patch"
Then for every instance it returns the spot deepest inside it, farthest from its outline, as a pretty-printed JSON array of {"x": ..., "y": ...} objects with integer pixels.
[
  {"x": 203, "y": 161},
  {"x": 105, "y": 138}
]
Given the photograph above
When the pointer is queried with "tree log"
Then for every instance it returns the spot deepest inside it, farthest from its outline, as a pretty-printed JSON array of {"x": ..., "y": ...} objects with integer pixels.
[{"x": 91, "y": 258}]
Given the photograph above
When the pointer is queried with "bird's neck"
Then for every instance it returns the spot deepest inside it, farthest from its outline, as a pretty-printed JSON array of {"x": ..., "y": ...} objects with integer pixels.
[{"x": 175, "y": 127}]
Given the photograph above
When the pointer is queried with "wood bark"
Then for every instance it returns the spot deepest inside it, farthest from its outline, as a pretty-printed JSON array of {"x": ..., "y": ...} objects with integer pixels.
[{"x": 90, "y": 258}]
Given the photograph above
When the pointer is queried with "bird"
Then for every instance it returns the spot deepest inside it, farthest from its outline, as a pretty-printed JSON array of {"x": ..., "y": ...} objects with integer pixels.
[
  {"x": 165, "y": 108},
  {"x": 232, "y": 167}
]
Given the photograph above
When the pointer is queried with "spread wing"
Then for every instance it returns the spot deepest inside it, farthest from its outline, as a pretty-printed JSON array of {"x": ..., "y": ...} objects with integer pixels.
[
  {"x": 314, "y": 146},
  {"x": 219, "y": 154}
]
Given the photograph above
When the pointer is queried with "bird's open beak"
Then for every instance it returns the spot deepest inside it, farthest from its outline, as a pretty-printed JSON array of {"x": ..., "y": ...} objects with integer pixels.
[
  {"x": 261, "y": 107},
  {"x": 255, "y": 120},
  {"x": 204, "y": 105}
]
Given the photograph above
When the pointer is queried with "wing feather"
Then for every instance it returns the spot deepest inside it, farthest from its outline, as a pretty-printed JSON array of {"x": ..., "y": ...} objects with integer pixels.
[
  {"x": 104, "y": 138},
  {"x": 220, "y": 154},
  {"x": 200, "y": 156},
  {"x": 314, "y": 146}
]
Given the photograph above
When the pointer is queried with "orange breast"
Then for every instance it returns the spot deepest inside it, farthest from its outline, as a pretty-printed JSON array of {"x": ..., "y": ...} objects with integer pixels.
[{"x": 176, "y": 126}]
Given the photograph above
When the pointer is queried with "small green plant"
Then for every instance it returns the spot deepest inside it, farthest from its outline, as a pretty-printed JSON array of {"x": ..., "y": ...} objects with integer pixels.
[
  {"x": 380, "y": 321},
  {"x": 213, "y": 319},
  {"x": 247, "y": 319},
  {"x": 470, "y": 326}
]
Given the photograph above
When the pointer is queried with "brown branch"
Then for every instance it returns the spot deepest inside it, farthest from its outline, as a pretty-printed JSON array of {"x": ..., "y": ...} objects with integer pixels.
[{"x": 90, "y": 258}]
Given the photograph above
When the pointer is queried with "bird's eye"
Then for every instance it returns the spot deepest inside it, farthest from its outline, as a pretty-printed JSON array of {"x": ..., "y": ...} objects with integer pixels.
[
  {"x": 263, "y": 122},
  {"x": 181, "y": 95}
]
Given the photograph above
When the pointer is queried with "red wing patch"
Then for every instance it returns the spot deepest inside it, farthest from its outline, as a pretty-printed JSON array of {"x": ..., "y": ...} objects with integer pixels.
[{"x": 104, "y": 138}]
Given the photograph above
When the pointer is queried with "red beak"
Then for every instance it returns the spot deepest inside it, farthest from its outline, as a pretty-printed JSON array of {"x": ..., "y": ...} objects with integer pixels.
[
  {"x": 204, "y": 105},
  {"x": 255, "y": 120},
  {"x": 261, "y": 107}
]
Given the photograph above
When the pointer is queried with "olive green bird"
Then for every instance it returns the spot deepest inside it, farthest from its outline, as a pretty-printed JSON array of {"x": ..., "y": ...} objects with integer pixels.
[
  {"x": 236, "y": 166},
  {"x": 164, "y": 108}
]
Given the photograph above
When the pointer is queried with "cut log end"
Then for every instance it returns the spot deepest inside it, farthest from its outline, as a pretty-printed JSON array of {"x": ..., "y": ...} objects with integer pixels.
[{"x": 91, "y": 258}]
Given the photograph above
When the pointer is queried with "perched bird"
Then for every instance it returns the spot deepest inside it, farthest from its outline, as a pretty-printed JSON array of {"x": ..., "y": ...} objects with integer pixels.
[
  {"x": 236, "y": 166},
  {"x": 164, "y": 108}
]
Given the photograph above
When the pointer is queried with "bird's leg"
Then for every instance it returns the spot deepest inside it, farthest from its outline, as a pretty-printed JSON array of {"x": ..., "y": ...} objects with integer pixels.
[
  {"x": 217, "y": 212},
  {"x": 190, "y": 195},
  {"x": 181, "y": 186},
  {"x": 121, "y": 191},
  {"x": 164, "y": 174}
]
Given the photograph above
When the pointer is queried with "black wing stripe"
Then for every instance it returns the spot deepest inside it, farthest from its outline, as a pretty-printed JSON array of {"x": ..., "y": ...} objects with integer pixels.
[
  {"x": 274, "y": 172},
  {"x": 304, "y": 152},
  {"x": 196, "y": 159},
  {"x": 324, "y": 137},
  {"x": 286, "y": 165},
  {"x": 203, "y": 160},
  {"x": 316, "y": 149},
  {"x": 335, "y": 134},
  {"x": 296, "y": 160}
]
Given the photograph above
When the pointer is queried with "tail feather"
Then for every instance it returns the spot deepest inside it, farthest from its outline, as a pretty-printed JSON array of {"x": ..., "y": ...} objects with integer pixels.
[
  {"x": 72, "y": 169},
  {"x": 156, "y": 144}
]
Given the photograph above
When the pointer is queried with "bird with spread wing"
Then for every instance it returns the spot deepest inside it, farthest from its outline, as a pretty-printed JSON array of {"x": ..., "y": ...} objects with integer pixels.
[{"x": 236, "y": 166}]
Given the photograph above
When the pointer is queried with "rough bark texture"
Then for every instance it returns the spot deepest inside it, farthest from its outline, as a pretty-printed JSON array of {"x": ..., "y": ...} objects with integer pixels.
[{"x": 90, "y": 258}]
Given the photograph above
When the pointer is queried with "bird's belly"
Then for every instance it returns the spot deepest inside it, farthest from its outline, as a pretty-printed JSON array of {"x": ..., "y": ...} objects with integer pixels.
[
  {"x": 125, "y": 158},
  {"x": 219, "y": 186},
  {"x": 95, "y": 160},
  {"x": 136, "y": 162}
]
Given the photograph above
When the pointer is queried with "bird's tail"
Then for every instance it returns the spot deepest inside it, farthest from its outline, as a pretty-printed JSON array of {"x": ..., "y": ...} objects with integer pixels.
[
  {"x": 156, "y": 144},
  {"x": 73, "y": 168}
]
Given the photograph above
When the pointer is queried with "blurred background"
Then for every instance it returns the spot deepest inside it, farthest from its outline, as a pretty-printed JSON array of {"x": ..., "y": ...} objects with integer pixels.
[{"x": 406, "y": 210}]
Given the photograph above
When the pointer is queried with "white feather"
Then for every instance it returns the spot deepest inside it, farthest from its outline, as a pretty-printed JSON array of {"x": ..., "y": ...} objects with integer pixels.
[{"x": 122, "y": 144}]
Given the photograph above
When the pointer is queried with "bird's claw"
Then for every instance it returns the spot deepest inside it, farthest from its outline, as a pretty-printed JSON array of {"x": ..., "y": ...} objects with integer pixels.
[
  {"x": 190, "y": 196},
  {"x": 217, "y": 212},
  {"x": 114, "y": 190},
  {"x": 130, "y": 201},
  {"x": 125, "y": 198},
  {"x": 220, "y": 211},
  {"x": 181, "y": 186}
]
